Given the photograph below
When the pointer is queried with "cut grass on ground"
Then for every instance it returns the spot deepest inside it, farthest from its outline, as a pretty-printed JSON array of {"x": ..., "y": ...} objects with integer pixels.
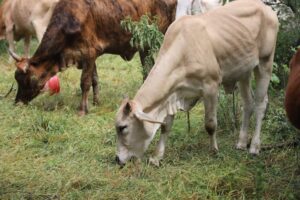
[{"x": 48, "y": 152}]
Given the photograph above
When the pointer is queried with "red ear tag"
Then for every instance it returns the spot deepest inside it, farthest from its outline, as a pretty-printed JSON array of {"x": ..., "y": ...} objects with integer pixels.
[{"x": 53, "y": 85}]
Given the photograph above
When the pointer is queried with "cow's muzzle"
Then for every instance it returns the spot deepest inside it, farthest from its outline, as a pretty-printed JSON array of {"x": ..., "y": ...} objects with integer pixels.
[
  {"x": 119, "y": 162},
  {"x": 19, "y": 101}
]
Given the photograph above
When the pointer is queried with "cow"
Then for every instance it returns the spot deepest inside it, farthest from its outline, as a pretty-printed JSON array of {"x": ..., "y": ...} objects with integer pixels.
[
  {"x": 292, "y": 95},
  {"x": 198, "y": 55},
  {"x": 79, "y": 32},
  {"x": 23, "y": 19},
  {"x": 193, "y": 7}
]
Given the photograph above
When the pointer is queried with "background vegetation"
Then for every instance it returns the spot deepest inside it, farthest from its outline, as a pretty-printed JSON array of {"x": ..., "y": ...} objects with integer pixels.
[{"x": 48, "y": 152}]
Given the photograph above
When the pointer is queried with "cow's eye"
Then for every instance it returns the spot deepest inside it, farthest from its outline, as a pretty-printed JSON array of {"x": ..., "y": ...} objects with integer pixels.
[{"x": 122, "y": 129}]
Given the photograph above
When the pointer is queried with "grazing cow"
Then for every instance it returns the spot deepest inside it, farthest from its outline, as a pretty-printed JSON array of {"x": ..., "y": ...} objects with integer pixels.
[
  {"x": 292, "y": 95},
  {"x": 223, "y": 46},
  {"x": 80, "y": 31},
  {"x": 192, "y": 7},
  {"x": 24, "y": 19}
]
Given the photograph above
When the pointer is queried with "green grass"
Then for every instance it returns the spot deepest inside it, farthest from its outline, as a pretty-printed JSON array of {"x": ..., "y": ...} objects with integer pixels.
[{"x": 48, "y": 152}]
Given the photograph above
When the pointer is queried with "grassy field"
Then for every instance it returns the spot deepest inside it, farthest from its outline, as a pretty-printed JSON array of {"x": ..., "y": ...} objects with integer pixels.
[{"x": 48, "y": 152}]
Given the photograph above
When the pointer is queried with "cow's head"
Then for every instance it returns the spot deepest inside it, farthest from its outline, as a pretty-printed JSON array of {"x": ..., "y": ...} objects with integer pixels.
[
  {"x": 135, "y": 130},
  {"x": 31, "y": 81}
]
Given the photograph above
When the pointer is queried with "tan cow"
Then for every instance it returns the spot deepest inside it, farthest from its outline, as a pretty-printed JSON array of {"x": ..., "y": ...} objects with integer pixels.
[
  {"x": 24, "y": 19},
  {"x": 223, "y": 46}
]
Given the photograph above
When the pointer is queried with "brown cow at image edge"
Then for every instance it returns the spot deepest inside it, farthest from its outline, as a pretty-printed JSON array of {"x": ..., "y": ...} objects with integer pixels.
[{"x": 292, "y": 96}]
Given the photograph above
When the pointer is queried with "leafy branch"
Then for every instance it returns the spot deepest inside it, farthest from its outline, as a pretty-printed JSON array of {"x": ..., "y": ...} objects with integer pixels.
[{"x": 145, "y": 37}]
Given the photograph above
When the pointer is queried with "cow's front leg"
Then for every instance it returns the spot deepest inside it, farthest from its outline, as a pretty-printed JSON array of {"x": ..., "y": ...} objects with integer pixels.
[
  {"x": 85, "y": 84},
  {"x": 161, "y": 145},
  {"x": 210, "y": 96},
  {"x": 95, "y": 86}
]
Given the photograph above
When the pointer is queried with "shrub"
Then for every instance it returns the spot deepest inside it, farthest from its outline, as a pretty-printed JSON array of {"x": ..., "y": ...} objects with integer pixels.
[{"x": 145, "y": 37}]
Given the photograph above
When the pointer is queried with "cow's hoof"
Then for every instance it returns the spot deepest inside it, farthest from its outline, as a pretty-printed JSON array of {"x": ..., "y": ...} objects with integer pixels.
[
  {"x": 81, "y": 113},
  {"x": 96, "y": 102},
  {"x": 214, "y": 150},
  {"x": 241, "y": 146},
  {"x": 254, "y": 150},
  {"x": 154, "y": 161}
]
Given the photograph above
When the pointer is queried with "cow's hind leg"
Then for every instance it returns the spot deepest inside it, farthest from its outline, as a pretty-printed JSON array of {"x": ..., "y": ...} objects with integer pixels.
[
  {"x": 27, "y": 46},
  {"x": 263, "y": 76},
  {"x": 248, "y": 105},
  {"x": 161, "y": 146},
  {"x": 85, "y": 84},
  {"x": 95, "y": 86},
  {"x": 210, "y": 97}
]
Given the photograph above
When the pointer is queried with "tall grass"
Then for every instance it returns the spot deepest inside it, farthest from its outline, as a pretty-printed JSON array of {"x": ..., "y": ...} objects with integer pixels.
[{"x": 48, "y": 152}]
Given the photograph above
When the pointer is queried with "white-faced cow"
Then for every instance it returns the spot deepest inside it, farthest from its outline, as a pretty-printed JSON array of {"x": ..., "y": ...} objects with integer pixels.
[
  {"x": 24, "y": 19},
  {"x": 199, "y": 53}
]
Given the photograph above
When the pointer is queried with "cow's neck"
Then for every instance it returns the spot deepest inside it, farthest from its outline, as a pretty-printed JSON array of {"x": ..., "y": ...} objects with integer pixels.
[{"x": 160, "y": 94}]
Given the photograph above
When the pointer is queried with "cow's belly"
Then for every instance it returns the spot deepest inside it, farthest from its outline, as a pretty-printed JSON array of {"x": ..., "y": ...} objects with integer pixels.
[{"x": 236, "y": 67}]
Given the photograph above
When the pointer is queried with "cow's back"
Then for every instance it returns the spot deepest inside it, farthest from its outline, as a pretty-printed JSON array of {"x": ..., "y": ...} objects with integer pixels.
[
  {"x": 109, "y": 14},
  {"x": 240, "y": 34},
  {"x": 100, "y": 27}
]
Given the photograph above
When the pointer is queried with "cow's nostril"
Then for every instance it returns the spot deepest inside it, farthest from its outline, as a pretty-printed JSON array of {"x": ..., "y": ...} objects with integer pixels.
[{"x": 117, "y": 159}]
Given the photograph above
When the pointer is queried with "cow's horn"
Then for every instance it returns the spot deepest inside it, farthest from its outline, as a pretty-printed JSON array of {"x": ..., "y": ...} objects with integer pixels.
[
  {"x": 14, "y": 55},
  {"x": 144, "y": 117}
]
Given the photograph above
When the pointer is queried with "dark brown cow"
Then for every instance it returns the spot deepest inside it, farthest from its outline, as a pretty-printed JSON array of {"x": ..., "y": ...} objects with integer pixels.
[
  {"x": 292, "y": 96},
  {"x": 81, "y": 31}
]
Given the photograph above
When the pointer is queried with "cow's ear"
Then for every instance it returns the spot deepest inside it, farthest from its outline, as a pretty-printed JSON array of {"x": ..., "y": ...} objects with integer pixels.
[
  {"x": 72, "y": 26},
  {"x": 127, "y": 109},
  {"x": 145, "y": 117}
]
